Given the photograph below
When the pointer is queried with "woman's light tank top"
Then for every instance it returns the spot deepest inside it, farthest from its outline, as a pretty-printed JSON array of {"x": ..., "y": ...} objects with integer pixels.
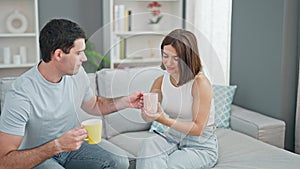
[{"x": 177, "y": 101}]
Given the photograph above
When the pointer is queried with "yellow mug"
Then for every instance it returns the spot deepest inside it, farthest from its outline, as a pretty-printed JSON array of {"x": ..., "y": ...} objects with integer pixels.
[{"x": 94, "y": 130}]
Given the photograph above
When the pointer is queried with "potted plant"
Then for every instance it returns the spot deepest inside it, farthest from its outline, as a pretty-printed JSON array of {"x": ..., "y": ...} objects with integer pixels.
[
  {"x": 156, "y": 15},
  {"x": 95, "y": 61}
]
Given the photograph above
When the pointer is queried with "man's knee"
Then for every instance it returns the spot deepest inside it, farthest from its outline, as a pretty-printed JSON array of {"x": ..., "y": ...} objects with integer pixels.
[
  {"x": 49, "y": 164},
  {"x": 120, "y": 162}
]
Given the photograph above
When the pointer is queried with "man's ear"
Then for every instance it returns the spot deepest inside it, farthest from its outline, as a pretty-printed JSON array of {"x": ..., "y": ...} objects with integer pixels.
[{"x": 57, "y": 55}]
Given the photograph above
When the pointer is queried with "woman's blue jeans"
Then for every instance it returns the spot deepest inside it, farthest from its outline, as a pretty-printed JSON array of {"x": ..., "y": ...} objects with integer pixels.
[{"x": 190, "y": 151}]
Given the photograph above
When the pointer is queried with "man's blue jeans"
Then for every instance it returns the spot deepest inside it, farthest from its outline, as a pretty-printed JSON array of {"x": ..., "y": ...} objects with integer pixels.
[{"x": 88, "y": 157}]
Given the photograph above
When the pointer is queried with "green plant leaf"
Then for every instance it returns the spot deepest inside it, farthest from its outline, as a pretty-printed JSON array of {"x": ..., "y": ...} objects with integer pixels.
[{"x": 94, "y": 58}]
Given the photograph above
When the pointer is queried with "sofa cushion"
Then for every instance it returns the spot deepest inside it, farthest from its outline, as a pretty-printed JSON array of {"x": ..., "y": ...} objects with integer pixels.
[
  {"x": 237, "y": 150},
  {"x": 130, "y": 141},
  {"x": 223, "y": 97},
  {"x": 114, "y": 83}
]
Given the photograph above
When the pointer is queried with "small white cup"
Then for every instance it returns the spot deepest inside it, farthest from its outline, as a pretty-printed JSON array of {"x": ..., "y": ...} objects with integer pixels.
[
  {"x": 17, "y": 59},
  {"x": 150, "y": 102}
]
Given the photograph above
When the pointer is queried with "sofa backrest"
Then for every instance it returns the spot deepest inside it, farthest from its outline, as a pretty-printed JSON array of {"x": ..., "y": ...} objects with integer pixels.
[{"x": 121, "y": 82}]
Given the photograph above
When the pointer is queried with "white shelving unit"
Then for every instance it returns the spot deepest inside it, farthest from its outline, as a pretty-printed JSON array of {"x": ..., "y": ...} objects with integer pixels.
[
  {"x": 14, "y": 39},
  {"x": 139, "y": 45}
]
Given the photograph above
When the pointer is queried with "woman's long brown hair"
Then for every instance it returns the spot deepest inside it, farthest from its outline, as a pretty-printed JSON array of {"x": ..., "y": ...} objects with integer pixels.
[{"x": 185, "y": 44}]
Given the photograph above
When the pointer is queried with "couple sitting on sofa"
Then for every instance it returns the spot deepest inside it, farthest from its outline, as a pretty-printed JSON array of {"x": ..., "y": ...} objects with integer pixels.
[{"x": 38, "y": 127}]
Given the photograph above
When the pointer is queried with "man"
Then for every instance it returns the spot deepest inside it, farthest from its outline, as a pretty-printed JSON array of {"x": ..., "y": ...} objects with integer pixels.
[{"x": 39, "y": 125}]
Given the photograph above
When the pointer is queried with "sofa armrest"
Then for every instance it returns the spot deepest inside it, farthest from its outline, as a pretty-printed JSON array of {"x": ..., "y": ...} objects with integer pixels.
[{"x": 259, "y": 126}]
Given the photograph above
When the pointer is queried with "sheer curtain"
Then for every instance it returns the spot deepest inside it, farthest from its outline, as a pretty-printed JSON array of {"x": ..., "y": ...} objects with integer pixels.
[
  {"x": 211, "y": 22},
  {"x": 297, "y": 120}
]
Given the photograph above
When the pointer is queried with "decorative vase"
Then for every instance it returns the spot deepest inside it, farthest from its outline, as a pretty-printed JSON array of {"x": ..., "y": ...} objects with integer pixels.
[
  {"x": 154, "y": 27},
  {"x": 16, "y": 22}
]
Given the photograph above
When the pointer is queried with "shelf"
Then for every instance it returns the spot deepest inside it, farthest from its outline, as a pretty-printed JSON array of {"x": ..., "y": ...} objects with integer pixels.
[
  {"x": 16, "y": 35},
  {"x": 139, "y": 33},
  {"x": 27, "y": 65},
  {"x": 23, "y": 42},
  {"x": 150, "y": 0},
  {"x": 137, "y": 60},
  {"x": 128, "y": 63},
  {"x": 141, "y": 45}
]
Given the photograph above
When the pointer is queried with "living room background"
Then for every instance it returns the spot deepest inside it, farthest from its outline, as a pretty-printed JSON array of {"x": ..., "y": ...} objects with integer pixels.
[
  {"x": 264, "y": 51},
  {"x": 263, "y": 59}
]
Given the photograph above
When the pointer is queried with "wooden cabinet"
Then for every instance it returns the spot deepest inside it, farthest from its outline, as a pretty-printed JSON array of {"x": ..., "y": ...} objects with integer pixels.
[{"x": 18, "y": 33}]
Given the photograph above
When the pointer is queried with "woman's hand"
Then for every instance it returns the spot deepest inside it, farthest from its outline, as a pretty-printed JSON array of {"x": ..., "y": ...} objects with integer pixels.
[{"x": 149, "y": 117}]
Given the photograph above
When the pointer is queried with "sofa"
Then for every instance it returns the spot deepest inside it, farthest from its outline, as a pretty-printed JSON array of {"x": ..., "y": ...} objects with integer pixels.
[{"x": 252, "y": 140}]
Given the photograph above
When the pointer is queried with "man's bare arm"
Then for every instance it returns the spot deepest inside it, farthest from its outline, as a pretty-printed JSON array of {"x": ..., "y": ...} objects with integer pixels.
[
  {"x": 11, "y": 157},
  {"x": 98, "y": 105}
]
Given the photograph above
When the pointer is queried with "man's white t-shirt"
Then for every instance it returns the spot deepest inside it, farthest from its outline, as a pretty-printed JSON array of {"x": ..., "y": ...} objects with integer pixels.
[{"x": 42, "y": 111}]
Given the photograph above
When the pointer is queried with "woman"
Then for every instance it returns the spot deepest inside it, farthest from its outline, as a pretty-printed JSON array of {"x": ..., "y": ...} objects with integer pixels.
[{"x": 186, "y": 96}]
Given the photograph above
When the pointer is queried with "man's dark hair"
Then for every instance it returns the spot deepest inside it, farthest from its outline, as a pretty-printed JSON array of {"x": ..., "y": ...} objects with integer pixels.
[{"x": 59, "y": 34}]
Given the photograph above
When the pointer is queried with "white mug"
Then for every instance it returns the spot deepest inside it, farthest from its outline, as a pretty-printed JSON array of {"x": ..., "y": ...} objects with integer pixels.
[{"x": 150, "y": 102}]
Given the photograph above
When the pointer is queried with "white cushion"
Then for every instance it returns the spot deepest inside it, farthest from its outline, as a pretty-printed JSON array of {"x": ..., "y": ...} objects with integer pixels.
[
  {"x": 116, "y": 82},
  {"x": 130, "y": 141}
]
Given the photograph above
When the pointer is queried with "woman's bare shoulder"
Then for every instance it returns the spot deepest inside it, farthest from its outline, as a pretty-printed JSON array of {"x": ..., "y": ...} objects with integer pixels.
[
  {"x": 202, "y": 83},
  {"x": 157, "y": 82},
  {"x": 201, "y": 78}
]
